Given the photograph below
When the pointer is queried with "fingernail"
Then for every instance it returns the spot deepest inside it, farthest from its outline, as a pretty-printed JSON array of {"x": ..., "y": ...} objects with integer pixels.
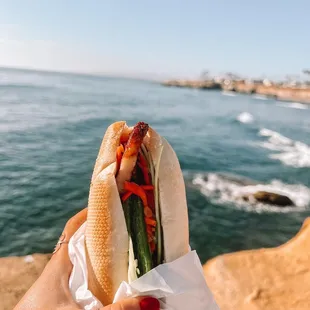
[{"x": 149, "y": 303}]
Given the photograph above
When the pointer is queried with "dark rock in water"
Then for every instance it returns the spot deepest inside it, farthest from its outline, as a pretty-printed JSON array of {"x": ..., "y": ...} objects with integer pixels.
[{"x": 270, "y": 198}]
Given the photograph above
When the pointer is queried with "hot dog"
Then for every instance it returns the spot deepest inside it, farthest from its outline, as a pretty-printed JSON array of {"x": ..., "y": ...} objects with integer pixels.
[{"x": 137, "y": 211}]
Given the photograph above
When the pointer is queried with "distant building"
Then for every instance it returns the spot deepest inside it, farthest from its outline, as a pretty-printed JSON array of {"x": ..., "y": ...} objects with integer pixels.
[
  {"x": 267, "y": 82},
  {"x": 227, "y": 82},
  {"x": 218, "y": 79},
  {"x": 258, "y": 81}
]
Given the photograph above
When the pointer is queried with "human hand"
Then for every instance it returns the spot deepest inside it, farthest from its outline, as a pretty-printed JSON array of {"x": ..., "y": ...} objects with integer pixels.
[{"x": 51, "y": 290}]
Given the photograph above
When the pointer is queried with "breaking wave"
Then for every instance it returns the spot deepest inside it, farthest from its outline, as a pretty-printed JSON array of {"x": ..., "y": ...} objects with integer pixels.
[
  {"x": 228, "y": 93},
  {"x": 226, "y": 189},
  {"x": 260, "y": 97},
  {"x": 245, "y": 118},
  {"x": 293, "y": 105},
  {"x": 290, "y": 152}
]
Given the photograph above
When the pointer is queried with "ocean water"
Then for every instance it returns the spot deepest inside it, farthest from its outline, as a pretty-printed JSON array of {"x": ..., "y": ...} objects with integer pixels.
[{"x": 51, "y": 126}]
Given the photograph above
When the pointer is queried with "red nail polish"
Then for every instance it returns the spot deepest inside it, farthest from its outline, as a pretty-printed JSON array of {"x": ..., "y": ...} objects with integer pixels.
[{"x": 149, "y": 303}]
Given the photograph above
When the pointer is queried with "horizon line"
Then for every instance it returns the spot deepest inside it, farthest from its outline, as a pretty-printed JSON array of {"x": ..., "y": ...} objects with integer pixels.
[{"x": 90, "y": 74}]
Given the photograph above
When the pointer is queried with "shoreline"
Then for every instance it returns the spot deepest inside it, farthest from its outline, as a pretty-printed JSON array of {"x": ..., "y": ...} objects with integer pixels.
[
  {"x": 264, "y": 278},
  {"x": 283, "y": 93}
]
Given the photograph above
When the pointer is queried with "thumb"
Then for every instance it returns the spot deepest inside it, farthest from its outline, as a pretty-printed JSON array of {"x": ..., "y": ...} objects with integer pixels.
[{"x": 144, "y": 303}]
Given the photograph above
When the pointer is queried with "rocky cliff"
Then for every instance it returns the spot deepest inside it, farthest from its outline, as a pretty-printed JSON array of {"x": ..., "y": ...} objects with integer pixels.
[
  {"x": 301, "y": 95},
  {"x": 17, "y": 275},
  {"x": 264, "y": 279}
]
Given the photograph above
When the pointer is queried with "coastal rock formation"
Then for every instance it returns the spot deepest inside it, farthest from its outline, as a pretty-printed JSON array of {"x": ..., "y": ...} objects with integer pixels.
[
  {"x": 17, "y": 274},
  {"x": 284, "y": 93},
  {"x": 264, "y": 279},
  {"x": 238, "y": 189},
  {"x": 269, "y": 198},
  {"x": 193, "y": 84}
]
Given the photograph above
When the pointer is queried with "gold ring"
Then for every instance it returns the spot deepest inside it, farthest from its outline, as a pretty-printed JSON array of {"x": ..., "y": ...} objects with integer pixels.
[{"x": 61, "y": 241}]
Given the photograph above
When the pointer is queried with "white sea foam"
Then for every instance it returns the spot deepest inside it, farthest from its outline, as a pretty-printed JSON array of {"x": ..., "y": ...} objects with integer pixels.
[
  {"x": 290, "y": 152},
  {"x": 228, "y": 93},
  {"x": 226, "y": 190},
  {"x": 260, "y": 97},
  {"x": 293, "y": 105},
  {"x": 245, "y": 118}
]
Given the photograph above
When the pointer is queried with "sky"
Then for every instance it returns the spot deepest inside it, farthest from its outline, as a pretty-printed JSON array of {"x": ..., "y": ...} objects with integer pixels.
[{"x": 163, "y": 38}]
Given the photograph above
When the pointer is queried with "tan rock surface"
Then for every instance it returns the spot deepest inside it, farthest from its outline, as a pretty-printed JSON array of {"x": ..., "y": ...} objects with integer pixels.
[
  {"x": 17, "y": 274},
  {"x": 269, "y": 279},
  {"x": 285, "y": 93}
]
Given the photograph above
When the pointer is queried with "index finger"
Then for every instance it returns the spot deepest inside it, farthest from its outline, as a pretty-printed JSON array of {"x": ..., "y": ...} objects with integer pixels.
[{"x": 74, "y": 223}]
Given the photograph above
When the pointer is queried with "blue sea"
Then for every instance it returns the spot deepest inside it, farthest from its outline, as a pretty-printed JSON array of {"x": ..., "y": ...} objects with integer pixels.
[{"x": 51, "y": 126}]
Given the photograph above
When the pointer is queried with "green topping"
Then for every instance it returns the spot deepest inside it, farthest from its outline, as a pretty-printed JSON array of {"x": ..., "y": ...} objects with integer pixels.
[
  {"x": 140, "y": 256},
  {"x": 155, "y": 181},
  {"x": 137, "y": 231}
]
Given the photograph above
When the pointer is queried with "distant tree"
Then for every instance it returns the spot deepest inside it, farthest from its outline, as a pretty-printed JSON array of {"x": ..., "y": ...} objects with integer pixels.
[
  {"x": 205, "y": 75},
  {"x": 232, "y": 76},
  {"x": 306, "y": 71}
]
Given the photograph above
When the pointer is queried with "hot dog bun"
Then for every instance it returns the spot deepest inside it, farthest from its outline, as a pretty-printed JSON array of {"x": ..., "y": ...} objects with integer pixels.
[{"x": 107, "y": 239}]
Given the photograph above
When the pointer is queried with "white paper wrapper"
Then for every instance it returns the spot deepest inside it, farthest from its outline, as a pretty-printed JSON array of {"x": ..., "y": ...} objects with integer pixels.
[{"x": 179, "y": 285}]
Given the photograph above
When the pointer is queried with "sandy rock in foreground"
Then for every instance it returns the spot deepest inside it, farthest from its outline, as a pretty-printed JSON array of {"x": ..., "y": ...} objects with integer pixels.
[
  {"x": 17, "y": 274},
  {"x": 269, "y": 279}
]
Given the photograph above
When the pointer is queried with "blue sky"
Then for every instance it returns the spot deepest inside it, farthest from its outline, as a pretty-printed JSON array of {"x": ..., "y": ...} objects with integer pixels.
[{"x": 157, "y": 38}]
